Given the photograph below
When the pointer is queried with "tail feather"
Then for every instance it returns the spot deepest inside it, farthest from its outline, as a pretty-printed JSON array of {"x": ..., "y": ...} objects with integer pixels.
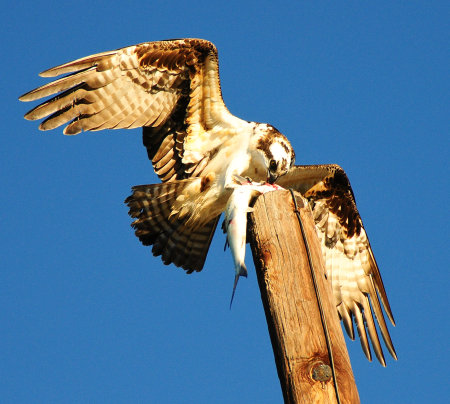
[
  {"x": 151, "y": 206},
  {"x": 198, "y": 244}
]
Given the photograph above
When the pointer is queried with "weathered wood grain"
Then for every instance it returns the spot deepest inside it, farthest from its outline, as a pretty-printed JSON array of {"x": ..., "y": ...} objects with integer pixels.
[{"x": 291, "y": 306}]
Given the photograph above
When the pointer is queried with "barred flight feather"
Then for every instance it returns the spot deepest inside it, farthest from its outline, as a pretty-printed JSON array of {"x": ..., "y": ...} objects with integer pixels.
[
  {"x": 151, "y": 206},
  {"x": 172, "y": 89},
  {"x": 349, "y": 262}
]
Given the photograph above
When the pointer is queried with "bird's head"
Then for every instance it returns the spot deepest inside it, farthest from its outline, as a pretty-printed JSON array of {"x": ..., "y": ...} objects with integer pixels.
[{"x": 274, "y": 153}]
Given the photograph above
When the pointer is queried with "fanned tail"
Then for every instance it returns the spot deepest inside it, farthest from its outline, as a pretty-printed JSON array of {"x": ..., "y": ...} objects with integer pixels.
[{"x": 151, "y": 205}]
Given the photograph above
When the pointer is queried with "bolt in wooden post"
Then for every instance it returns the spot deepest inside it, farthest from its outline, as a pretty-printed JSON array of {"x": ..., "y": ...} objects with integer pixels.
[{"x": 291, "y": 305}]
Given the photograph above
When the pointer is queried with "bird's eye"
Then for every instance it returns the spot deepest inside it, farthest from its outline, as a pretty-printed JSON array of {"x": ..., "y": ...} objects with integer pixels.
[{"x": 273, "y": 165}]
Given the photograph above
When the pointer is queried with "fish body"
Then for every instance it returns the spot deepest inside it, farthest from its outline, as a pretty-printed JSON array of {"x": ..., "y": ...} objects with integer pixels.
[{"x": 235, "y": 223}]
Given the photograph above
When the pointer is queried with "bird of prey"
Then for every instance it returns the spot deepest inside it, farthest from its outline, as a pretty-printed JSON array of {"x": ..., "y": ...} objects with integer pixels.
[{"x": 172, "y": 90}]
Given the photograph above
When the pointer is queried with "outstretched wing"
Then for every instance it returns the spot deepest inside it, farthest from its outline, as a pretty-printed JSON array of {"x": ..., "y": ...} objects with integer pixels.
[
  {"x": 349, "y": 260},
  {"x": 170, "y": 88}
]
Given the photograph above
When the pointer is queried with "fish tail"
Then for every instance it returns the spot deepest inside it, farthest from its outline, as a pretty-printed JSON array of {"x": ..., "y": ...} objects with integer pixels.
[{"x": 242, "y": 271}]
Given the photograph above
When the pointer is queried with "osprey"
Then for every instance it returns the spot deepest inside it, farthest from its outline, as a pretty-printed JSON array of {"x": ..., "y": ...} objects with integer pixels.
[{"x": 172, "y": 90}]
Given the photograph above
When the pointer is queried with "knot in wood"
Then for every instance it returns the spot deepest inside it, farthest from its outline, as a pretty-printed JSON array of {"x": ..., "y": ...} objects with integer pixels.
[{"x": 321, "y": 372}]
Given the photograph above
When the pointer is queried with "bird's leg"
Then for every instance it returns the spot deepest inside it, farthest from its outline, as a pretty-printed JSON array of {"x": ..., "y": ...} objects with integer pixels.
[
  {"x": 261, "y": 187},
  {"x": 239, "y": 180}
]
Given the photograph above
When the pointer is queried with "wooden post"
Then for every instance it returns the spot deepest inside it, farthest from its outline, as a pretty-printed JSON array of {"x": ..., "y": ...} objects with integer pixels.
[{"x": 291, "y": 305}]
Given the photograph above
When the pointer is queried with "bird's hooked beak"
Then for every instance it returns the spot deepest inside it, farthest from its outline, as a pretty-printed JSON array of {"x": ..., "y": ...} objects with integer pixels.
[{"x": 271, "y": 177}]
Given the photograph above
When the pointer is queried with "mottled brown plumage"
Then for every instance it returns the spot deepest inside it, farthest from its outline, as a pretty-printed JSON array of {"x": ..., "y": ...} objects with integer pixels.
[
  {"x": 155, "y": 85},
  {"x": 172, "y": 90},
  {"x": 148, "y": 205},
  {"x": 349, "y": 261}
]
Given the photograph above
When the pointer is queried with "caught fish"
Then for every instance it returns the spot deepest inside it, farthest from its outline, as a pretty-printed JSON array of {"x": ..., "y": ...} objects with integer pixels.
[{"x": 235, "y": 223}]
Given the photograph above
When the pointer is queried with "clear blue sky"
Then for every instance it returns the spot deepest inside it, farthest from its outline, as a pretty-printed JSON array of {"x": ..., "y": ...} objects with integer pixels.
[{"x": 88, "y": 315}]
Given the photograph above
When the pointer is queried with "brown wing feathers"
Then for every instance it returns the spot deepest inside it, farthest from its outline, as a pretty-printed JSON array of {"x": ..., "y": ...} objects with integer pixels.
[
  {"x": 350, "y": 265},
  {"x": 165, "y": 144},
  {"x": 336, "y": 192},
  {"x": 160, "y": 86},
  {"x": 150, "y": 85},
  {"x": 154, "y": 85}
]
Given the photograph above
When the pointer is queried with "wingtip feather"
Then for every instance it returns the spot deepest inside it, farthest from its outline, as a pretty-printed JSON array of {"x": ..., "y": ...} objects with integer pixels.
[
  {"x": 76, "y": 65},
  {"x": 25, "y": 97},
  {"x": 373, "y": 335},
  {"x": 375, "y": 303},
  {"x": 362, "y": 331}
]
